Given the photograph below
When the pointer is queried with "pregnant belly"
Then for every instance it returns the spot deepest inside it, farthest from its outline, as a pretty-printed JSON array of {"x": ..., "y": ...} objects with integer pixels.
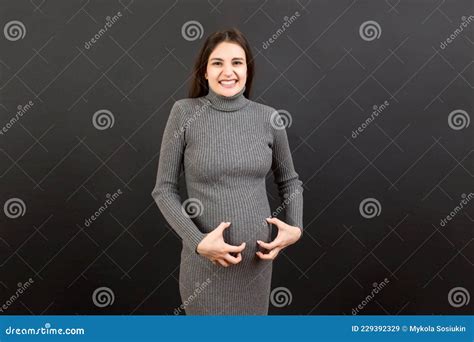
[
  {"x": 247, "y": 219},
  {"x": 248, "y": 230}
]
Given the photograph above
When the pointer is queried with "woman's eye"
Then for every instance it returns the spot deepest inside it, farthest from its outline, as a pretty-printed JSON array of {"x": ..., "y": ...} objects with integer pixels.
[{"x": 219, "y": 63}]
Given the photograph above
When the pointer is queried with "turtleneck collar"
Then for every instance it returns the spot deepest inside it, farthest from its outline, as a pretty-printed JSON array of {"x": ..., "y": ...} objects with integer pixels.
[{"x": 227, "y": 103}]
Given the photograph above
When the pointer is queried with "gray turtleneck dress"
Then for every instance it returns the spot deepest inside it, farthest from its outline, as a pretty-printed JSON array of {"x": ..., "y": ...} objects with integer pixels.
[{"x": 227, "y": 146}]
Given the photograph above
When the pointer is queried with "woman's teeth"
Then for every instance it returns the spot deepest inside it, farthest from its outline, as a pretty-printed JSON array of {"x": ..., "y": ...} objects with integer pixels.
[{"x": 228, "y": 84}]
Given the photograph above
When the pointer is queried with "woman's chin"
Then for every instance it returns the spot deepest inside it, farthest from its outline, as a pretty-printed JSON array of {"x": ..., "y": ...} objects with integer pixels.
[{"x": 229, "y": 91}]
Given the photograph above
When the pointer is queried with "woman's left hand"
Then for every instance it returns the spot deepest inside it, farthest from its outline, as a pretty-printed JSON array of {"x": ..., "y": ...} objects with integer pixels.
[{"x": 287, "y": 235}]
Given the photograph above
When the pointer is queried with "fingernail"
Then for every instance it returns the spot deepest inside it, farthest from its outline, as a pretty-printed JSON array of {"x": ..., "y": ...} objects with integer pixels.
[{"x": 258, "y": 241}]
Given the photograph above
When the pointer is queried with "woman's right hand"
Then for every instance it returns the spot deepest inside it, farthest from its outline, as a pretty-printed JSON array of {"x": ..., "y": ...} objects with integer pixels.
[{"x": 217, "y": 250}]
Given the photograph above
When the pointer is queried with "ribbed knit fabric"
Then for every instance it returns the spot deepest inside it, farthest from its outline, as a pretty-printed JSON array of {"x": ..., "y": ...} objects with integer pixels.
[{"x": 227, "y": 146}]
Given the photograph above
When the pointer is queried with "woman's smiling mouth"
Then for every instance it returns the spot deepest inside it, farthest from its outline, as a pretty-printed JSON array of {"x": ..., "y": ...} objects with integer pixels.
[{"x": 228, "y": 83}]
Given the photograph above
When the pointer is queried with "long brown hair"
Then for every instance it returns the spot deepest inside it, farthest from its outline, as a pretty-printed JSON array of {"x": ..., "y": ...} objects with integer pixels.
[{"x": 199, "y": 86}]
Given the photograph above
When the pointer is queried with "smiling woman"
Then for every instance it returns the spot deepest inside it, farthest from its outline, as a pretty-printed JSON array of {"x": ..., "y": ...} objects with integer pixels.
[
  {"x": 225, "y": 56},
  {"x": 227, "y": 145},
  {"x": 225, "y": 73}
]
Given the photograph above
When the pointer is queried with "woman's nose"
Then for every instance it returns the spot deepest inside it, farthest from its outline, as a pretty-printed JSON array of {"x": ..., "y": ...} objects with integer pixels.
[{"x": 228, "y": 71}]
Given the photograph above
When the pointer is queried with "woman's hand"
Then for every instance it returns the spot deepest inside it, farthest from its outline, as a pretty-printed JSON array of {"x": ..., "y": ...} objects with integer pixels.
[
  {"x": 287, "y": 235},
  {"x": 217, "y": 250}
]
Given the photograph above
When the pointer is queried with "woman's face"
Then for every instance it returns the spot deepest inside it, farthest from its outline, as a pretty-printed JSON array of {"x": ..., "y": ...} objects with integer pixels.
[{"x": 227, "y": 69}]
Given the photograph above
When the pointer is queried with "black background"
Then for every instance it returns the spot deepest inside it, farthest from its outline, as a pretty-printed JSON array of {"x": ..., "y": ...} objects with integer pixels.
[{"x": 320, "y": 70}]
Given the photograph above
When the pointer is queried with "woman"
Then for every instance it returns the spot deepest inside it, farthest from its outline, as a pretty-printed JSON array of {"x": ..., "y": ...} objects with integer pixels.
[{"x": 227, "y": 145}]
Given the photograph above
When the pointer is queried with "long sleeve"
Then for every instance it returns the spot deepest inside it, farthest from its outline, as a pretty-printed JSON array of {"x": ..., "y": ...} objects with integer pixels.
[
  {"x": 166, "y": 191},
  {"x": 289, "y": 185}
]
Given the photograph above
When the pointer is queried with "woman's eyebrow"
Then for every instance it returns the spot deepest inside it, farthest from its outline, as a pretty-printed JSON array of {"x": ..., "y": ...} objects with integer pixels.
[{"x": 220, "y": 59}]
